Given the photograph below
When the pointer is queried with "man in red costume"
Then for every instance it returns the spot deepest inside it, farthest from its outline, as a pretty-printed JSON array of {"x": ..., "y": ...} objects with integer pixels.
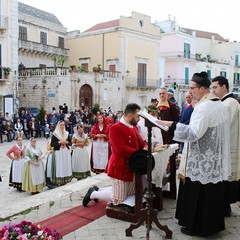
[{"x": 124, "y": 140}]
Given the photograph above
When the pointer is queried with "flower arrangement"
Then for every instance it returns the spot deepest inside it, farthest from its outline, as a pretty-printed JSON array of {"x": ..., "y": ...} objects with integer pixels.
[{"x": 27, "y": 230}]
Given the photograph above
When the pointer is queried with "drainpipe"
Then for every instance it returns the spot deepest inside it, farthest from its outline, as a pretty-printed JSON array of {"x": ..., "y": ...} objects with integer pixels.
[{"x": 103, "y": 46}]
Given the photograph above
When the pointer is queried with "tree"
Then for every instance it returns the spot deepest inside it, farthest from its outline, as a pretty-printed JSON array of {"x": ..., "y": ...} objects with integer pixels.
[
  {"x": 96, "y": 108},
  {"x": 41, "y": 113}
]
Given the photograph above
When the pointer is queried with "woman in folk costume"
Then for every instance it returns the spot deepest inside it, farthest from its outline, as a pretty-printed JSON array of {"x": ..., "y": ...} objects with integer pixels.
[
  {"x": 100, "y": 151},
  {"x": 80, "y": 156},
  {"x": 58, "y": 166},
  {"x": 17, "y": 154},
  {"x": 33, "y": 173}
]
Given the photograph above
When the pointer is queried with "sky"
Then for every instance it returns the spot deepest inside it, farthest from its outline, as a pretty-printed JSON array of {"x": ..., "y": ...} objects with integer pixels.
[{"x": 218, "y": 16}]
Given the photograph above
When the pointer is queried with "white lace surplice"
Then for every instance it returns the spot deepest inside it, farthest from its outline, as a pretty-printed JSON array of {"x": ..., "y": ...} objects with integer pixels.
[{"x": 208, "y": 159}]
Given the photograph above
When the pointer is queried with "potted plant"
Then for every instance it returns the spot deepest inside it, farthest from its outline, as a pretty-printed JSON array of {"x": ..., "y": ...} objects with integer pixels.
[
  {"x": 6, "y": 71},
  {"x": 73, "y": 67},
  {"x": 97, "y": 69},
  {"x": 82, "y": 69}
]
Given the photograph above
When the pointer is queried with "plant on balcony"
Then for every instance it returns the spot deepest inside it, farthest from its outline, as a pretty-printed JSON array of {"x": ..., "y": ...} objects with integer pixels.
[
  {"x": 97, "y": 69},
  {"x": 59, "y": 60},
  {"x": 73, "y": 67},
  {"x": 6, "y": 70},
  {"x": 82, "y": 69}
]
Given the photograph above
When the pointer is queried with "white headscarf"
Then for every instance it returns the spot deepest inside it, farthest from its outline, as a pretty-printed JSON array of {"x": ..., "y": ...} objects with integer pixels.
[
  {"x": 78, "y": 136},
  {"x": 34, "y": 150},
  {"x": 59, "y": 134}
]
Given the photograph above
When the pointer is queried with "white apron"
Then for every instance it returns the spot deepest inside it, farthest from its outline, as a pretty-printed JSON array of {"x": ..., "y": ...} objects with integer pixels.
[
  {"x": 17, "y": 170},
  {"x": 37, "y": 173},
  {"x": 100, "y": 154}
]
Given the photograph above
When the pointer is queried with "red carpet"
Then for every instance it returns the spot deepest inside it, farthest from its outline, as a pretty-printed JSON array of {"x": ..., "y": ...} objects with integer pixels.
[{"x": 74, "y": 218}]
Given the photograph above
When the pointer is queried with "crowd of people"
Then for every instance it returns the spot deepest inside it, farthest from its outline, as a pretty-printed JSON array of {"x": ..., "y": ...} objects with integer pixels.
[
  {"x": 67, "y": 156},
  {"x": 209, "y": 171}
]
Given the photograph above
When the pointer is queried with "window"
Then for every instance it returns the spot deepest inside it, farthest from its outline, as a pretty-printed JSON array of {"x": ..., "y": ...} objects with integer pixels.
[
  {"x": 236, "y": 60},
  {"x": 236, "y": 78},
  {"x": 42, "y": 65},
  {"x": 223, "y": 73},
  {"x": 209, "y": 74},
  {"x": 112, "y": 69},
  {"x": 142, "y": 73},
  {"x": 186, "y": 75},
  {"x": 61, "y": 42},
  {"x": 1, "y": 72},
  {"x": 43, "y": 38},
  {"x": 187, "y": 50},
  {"x": 22, "y": 33},
  {"x": 85, "y": 66}
]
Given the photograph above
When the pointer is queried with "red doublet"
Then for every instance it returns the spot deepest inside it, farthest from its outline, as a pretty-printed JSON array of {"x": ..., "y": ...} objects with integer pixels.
[{"x": 124, "y": 142}]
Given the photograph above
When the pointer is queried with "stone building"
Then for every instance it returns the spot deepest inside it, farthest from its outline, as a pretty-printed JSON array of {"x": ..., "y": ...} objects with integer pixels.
[
  {"x": 43, "y": 77},
  {"x": 127, "y": 52},
  {"x": 8, "y": 54}
]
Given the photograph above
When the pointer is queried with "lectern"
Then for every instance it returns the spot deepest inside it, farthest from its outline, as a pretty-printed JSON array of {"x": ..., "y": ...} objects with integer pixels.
[{"x": 148, "y": 214}]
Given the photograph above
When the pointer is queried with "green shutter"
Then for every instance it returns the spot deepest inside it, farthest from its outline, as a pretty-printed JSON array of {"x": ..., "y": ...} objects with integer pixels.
[{"x": 186, "y": 75}]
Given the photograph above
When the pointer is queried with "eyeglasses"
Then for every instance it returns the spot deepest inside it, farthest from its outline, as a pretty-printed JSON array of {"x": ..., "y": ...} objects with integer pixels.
[{"x": 191, "y": 88}]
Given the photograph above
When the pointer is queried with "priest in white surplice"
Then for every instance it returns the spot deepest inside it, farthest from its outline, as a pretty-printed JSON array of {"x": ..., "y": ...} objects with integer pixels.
[
  {"x": 200, "y": 205},
  {"x": 220, "y": 87}
]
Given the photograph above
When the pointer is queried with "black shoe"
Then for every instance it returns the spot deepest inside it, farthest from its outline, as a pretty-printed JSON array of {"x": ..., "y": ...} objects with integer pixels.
[
  {"x": 227, "y": 211},
  {"x": 87, "y": 198},
  {"x": 95, "y": 187},
  {"x": 186, "y": 231}
]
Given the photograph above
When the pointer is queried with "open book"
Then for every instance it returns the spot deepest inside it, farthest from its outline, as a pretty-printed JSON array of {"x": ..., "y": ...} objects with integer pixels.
[{"x": 152, "y": 119}]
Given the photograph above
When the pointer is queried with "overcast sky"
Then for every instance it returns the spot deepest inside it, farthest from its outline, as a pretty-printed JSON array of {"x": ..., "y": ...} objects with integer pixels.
[{"x": 219, "y": 16}]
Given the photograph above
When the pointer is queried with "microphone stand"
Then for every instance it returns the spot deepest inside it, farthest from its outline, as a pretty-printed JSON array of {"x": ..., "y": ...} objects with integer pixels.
[{"x": 149, "y": 214}]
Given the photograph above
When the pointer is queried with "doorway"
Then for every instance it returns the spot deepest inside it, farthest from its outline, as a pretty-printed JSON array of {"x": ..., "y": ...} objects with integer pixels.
[{"x": 85, "y": 96}]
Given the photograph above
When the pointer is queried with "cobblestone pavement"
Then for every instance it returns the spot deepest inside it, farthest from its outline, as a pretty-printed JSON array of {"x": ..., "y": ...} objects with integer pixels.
[{"x": 16, "y": 206}]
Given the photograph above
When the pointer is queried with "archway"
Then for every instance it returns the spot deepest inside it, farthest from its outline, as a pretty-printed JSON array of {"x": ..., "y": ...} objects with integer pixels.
[{"x": 85, "y": 96}]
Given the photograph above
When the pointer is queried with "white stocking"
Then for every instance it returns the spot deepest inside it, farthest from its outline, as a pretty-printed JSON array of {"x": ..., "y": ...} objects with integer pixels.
[{"x": 102, "y": 194}]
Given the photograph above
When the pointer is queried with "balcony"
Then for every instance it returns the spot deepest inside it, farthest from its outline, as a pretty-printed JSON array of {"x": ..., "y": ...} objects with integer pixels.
[
  {"x": 3, "y": 24},
  {"x": 38, "y": 48},
  {"x": 111, "y": 75},
  {"x": 48, "y": 71},
  {"x": 178, "y": 55},
  {"x": 180, "y": 81},
  {"x": 149, "y": 84}
]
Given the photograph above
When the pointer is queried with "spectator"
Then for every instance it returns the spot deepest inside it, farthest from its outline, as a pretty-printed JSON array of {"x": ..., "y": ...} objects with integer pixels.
[
  {"x": 6, "y": 130},
  {"x": 171, "y": 98},
  {"x": 154, "y": 101},
  {"x": 33, "y": 127},
  {"x": 19, "y": 128},
  {"x": 187, "y": 110},
  {"x": 47, "y": 131},
  {"x": 26, "y": 129},
  {"x": 65, "y": 108}
]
